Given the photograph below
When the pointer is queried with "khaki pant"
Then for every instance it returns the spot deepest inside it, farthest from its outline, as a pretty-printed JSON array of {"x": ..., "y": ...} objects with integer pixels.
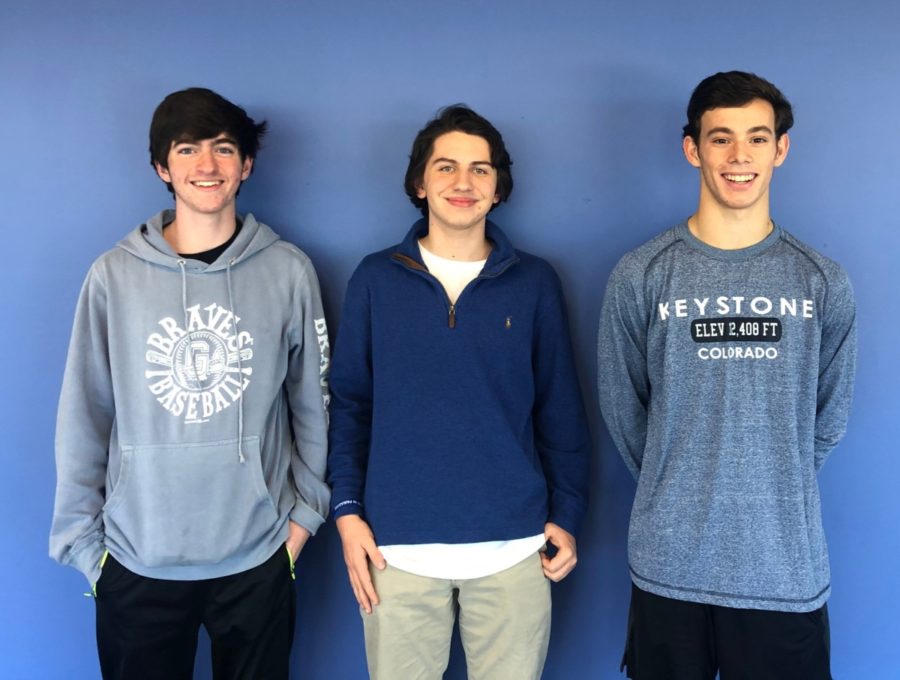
[{"x": 504, "y": 623}]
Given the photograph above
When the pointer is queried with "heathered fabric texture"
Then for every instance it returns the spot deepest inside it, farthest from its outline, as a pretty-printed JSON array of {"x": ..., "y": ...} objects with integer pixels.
[
  {"x": 725, "y": 379},
  {"x": 456, "y": 426}
]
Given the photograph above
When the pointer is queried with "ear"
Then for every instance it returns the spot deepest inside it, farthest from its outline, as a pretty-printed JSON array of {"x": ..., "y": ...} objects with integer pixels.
[
  {"x": 691, "y": 152},
  {"x": 248, "y": 166},
  {"x": 781, "y": 149},
  {"x": 162, "y": 172},
  {"x": 496, "y": 198},
  {"x": 420, "y": 190}
]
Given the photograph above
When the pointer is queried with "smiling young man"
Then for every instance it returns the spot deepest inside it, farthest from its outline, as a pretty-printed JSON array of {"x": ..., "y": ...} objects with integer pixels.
[
  {"x": 726, "y": 361},
  {"x": 192, "y": 426},
  {"x": 458, "y": 441}
]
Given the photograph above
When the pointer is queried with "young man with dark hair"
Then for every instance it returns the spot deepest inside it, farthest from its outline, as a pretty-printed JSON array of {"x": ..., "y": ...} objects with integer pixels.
[
  {"x": 192, "y": 426},
  {"x": 459, "y": 445},
  {"x": 726, "y": 361}
]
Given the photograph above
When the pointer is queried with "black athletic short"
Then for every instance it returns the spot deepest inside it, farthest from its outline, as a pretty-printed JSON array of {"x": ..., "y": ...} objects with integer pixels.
[{"x": 674, "y": 640}]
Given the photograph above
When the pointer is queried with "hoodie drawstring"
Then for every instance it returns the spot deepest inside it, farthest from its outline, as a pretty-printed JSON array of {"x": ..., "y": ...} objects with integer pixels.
[
  {"x": 184, "y": 311},
  {"x": 240, "y": 367},
  {"x": 181, "y": 263}
]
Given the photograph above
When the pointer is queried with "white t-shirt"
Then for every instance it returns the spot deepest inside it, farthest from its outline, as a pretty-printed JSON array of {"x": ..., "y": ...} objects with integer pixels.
[{"x": 458, "y": 560}]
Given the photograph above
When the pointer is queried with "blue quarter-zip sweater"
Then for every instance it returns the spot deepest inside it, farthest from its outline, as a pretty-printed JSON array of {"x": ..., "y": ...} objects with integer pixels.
[{"x": 456, "y": 423}]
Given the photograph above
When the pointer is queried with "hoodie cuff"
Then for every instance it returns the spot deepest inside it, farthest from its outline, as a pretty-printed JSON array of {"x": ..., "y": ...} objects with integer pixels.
[
  {"x": 87, "y": 559},
  {"x": 306, "y": 517}
]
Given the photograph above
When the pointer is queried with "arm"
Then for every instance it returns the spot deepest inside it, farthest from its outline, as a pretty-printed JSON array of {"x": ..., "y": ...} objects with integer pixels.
[
  {"x": 622, "y": 377},
  {"x": 562, "y": 437},
  {"x": 351, "y": 407},
  {"x": 349, "y": 438},
  {"x": 306, "y": 385},
  {"x": 837, "y": 368},
  {"x": 83, "y": 426}
]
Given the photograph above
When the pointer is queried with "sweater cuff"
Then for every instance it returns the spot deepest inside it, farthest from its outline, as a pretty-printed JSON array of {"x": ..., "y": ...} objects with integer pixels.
[
  {"x": 567, "y": 516},
  {"x": 348, "y": 507}
]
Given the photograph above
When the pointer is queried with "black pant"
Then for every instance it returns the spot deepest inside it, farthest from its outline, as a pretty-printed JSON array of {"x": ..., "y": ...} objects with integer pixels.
[
  {"x": 147, "y": 628},
  {"x": 675, "y": 640}
]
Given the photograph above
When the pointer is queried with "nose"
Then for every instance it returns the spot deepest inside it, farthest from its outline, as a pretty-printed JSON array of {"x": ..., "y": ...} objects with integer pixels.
[
  {"x": 206, "y": 161},
  {"x": 740, "y": 152},
  {"x": 463, "y": 182}
]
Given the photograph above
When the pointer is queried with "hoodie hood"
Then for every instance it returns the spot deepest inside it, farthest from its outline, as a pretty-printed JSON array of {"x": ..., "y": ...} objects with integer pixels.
[{"x": 148, "y": 243}]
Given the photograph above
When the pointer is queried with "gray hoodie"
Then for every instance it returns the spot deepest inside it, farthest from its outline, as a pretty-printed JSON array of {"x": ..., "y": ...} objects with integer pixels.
[
  {"x": 725, "y": 380},
  {"x": 193, "y": 416}
]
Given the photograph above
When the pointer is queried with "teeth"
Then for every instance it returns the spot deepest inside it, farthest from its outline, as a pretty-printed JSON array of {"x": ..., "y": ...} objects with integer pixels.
[
  {"x": 206, "y": 184},
  {"x": 739, "y": 178}
]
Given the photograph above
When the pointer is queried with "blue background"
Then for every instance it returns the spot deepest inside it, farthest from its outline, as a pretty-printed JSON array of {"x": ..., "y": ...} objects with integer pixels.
[{"x": 590, "y": 98}]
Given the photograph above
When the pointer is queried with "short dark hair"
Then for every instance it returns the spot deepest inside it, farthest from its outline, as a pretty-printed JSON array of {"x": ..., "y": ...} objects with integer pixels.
[
  {"x": 731, "y": 89},
  {"x": 456, "y": 118},
  {"x": 197, "y": 113}
]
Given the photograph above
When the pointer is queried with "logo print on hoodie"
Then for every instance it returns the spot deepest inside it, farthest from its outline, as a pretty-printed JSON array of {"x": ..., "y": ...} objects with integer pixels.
[{"x": 201, "y": 370}]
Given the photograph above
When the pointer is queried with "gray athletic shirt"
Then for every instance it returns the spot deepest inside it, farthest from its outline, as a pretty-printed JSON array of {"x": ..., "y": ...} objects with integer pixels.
[{"x": 725, "y": 379}]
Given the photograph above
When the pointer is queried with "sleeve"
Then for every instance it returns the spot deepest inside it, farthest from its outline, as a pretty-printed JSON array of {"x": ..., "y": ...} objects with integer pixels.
[
  {"x": 83, "y": 426},
  {"x": 622, "y": 377},
  {"x": 837, "y": 369},
  {"x": 352, "y": 384},
  {"x": 562, "y": 437},
  {"x": 306, "y": 383}
]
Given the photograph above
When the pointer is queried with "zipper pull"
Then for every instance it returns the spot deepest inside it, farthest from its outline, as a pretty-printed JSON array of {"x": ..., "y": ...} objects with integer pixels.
[{"x": 451, "y": 319}]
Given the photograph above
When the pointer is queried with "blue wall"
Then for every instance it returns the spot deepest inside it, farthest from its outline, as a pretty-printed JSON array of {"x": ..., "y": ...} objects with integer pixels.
[{"x": 590, "y": 99}]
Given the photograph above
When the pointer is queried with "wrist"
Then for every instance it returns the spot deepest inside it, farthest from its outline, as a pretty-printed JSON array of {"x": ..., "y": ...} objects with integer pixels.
[{"x": 348, "y": 507}]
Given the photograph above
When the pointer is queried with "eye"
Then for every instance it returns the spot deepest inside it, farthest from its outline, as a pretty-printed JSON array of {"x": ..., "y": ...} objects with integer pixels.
[
  {"x": 719, "y": 141},
  {"x": 184, "y": 150},
  {"x": 226, "y": 150},
  {"x": 759, "y": 140},
  {"x": 479, "y": 170},
  {"x": 446, "y": 169}
]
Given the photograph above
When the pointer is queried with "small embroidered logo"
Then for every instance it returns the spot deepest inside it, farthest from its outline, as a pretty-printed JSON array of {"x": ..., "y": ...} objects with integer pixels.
[{"x": 508, "y": 323}]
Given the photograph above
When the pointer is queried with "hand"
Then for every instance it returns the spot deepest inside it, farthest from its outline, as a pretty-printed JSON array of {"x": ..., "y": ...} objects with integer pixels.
[
  {"x": 297, "y": 538},
  {"x": 566, "y": 556},
  {"x": 359, "y": 549}
]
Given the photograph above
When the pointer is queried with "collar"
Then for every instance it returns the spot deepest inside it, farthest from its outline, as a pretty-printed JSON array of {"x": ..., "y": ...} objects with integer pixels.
[{"x": 502, "y": 253}]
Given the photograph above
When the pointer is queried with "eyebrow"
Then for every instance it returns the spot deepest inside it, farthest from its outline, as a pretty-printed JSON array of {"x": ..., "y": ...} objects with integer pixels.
[
  {"x": 442, "y": 159},
  {"x": 729, "y": 131},
  {"x": 221, "y": 139}
]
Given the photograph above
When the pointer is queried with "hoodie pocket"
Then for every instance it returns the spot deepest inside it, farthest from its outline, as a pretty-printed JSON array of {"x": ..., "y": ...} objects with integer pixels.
[{"x": 189, "y": 504}]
